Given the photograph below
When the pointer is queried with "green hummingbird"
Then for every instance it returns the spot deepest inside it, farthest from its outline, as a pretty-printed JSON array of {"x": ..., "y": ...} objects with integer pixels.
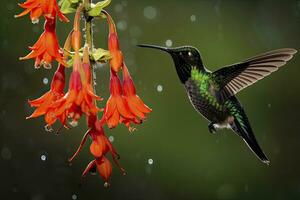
[{"x": 213, "y": 93}]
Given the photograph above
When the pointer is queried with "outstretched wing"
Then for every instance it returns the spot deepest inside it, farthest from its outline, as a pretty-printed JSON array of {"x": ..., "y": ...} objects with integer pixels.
[{"x": 234, "y": 78}]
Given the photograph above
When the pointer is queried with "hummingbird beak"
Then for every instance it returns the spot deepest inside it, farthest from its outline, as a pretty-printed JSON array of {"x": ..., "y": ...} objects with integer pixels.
[{"x": 155, "y": 47}]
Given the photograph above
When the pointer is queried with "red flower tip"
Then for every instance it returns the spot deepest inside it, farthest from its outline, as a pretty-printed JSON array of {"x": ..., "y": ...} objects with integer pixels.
[
  {"x": 104, "y": 168},
  {"x": 37, "y": 8},
  {"x": 46, "y": 49}
]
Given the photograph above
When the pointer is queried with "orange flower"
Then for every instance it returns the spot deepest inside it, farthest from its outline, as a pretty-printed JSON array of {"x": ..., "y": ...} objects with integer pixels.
[
  {"x": 44, "y": 104},
  {"x": 36, "y": 8},
  {"x": 80, "y": 97},
  {"x": 99, "y": 148},
  {"x": 46, "y": 49},
  {"x": 135, "y": 104},
  {"x": 116, "y": 110},
  {"x": 113, "y": 45}
]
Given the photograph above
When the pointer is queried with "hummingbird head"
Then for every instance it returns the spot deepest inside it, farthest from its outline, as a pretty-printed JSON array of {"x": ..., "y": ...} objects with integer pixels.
[{"x": 184, "y": 57}]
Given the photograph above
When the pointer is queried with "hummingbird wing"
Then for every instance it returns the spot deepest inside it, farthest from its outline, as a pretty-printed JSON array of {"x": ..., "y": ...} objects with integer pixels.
[
  {"x": 234, "y": 78},
  {"x": 241, "y": 127}
]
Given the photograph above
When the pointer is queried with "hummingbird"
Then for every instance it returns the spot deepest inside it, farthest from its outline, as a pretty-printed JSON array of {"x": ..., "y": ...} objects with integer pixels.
[{"x": 213, "y": 94}]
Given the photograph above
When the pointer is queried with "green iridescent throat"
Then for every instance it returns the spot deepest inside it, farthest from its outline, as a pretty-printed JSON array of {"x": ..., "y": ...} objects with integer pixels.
[{"x": 204, "y": 82}]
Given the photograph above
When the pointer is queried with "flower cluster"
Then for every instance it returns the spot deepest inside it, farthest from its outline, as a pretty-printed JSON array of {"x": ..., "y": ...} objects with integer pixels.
[{"x": 80, "y": 100}]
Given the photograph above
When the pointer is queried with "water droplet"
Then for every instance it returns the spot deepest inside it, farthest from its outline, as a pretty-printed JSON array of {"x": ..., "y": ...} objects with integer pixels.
[
  {"x": 169, "y": 43},
  {"x": 111, "y": 138},
  {"x": 74, "y": 196},
  {"x": 106, "y": 184},
  {"x": 193, "y": 18},
  {"x": 122, "y": 25},
  {"x": 6, "y": 153},
  {"x": 45, "y": 81},
  {"x": 119, "y": 8},
  {"x": 150, "y": 12},
  {"x": 43, "y": 157},
  {"x": 159, "y": 88},
  {"x": 150, "y": 161}
]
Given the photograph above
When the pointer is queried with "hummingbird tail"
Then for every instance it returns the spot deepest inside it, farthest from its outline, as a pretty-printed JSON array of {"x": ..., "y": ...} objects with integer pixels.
[{"x": 243, "y": 129}]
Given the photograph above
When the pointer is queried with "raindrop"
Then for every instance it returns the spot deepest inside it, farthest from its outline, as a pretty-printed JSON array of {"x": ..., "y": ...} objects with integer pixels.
[
  {"x": 74, "y": 196},
  {"x": 122, "y": 25},
  {"x": 118, "y": 8},
  {"x": 150, "y": 12},
  {"x": 45, "y": 81},
  {"x": 169, "y": 43},
  {"x": 6, "y": 153},
  {"x": 111, "y": 138},
  {"x": 43, "y": 157},
  {"x": 150, "y": 161},
  {"x": 193, "y": 18},
  {"x": 159, "y": 88}
]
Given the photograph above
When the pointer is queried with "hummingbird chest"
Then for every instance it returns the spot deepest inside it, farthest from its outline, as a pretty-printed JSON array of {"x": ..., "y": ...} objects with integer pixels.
[{"x": 203, "y": 99}]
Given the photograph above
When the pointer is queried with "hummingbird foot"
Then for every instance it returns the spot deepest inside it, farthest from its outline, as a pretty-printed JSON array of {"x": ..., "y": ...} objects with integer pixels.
[{"x": 211, "y": 128}]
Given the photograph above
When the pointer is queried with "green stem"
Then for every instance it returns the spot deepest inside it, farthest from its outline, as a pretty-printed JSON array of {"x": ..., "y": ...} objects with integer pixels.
[
  {"x": 88, "y": 24},
  {"x": 89, "y": 39}
]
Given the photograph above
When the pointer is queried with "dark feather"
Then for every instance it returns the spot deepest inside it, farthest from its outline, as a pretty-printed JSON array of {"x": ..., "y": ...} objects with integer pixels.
[
  {"x": 241, "y": 126},
  {"x": 234, "y": 78}
]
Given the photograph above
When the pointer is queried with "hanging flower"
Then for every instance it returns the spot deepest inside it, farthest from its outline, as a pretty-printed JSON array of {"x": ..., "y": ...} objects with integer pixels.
[
  {"x": 37, "y": 8},
  {"x": 46, "y": 49},
  {"x": 113, "y": 45},
  {"x": 80, "y": 97},
  {"x": 43, "y": 104},
  {"x": 116, "y": 110},
  {"x": 135, "y": 104},
  {"x": 99, "y": 148}
]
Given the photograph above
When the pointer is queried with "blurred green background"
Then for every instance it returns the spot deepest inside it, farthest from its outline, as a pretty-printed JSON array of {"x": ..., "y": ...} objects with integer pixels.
[{"x": 172, "y": 155}]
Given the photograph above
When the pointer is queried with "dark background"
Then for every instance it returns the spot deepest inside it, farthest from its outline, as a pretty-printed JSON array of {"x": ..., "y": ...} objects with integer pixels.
[{"x": 188, "y": 162}]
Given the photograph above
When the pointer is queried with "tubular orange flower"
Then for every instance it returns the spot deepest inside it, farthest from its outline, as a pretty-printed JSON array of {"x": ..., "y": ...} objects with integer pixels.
[
  {"x": 116, "y": 110},
  {"x": 113, "y": 45},
  {"x": 46, "y": 49},
  {"x": 99, "y": 148},
  {"x": 135, "y": 104},
  {"x": 44, "y": 104},
  {"x": 36, "y": 8},
  {"x": 80, "y": 97}
]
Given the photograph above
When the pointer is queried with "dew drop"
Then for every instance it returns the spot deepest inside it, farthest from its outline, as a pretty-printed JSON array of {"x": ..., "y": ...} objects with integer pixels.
[
  {"x": 74, "y": 197},
  {"x": 43, "y": 157},
  {"x": 193, "y": 18},
  {"x": 169, "y": 43},
  {"x": 45, "y": 81},
  {"x": 150, "y": 12},
  {"x": 111, "y": 138},
  {"x": 122, "y": 25},
  {"x": 150, "y": 161},
  {"x": 159, "y": 88},
  {"x": 119, "y": 8}
]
